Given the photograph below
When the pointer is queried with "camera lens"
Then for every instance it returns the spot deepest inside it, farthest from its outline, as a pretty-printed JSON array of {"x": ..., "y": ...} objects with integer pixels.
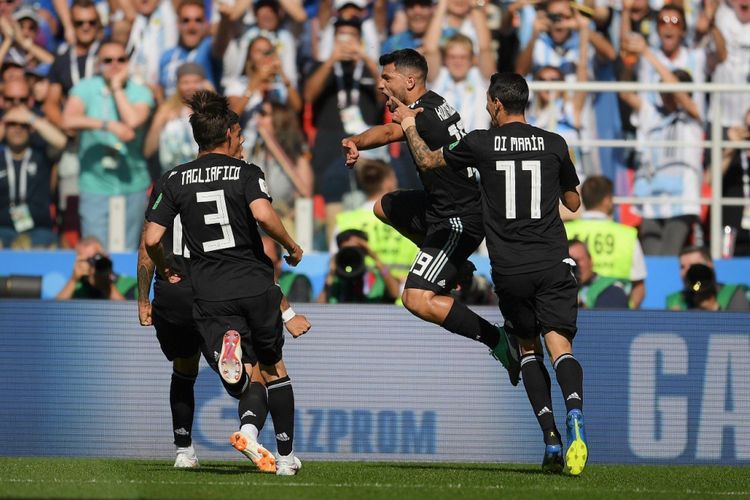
[{"x": 350, "y": 262}]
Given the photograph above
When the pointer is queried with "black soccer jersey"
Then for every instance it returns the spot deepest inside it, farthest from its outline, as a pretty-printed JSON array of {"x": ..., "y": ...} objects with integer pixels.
[
  {"x": 450, "y": 193},
  {"x": 211, "y": 196},
  {"x": 523, "y": 169}
]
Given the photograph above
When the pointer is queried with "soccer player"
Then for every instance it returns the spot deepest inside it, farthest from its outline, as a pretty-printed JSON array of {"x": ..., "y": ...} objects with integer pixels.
[
  {"x": 525, "y": 171},
  {"x": 172, "y": 317},
  {"x": 444, "y": 220},
  {"x": 221, "y": 200}
]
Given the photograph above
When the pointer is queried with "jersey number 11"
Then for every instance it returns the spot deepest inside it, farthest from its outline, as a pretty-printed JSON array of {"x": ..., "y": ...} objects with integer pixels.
[{"x": 534, "y": 167}]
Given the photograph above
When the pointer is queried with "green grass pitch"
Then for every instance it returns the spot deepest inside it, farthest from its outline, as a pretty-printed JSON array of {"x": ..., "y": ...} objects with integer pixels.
[{"x": 106, "y": 478}]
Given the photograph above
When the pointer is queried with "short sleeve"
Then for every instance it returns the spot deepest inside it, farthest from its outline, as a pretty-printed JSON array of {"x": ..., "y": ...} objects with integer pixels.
[
  {"x": 79, "y": 90},
  {"x": 158, "y": 187},
  {"x": 460, "y": 154},
  {"x": 139, "y": 94},
  {"x": 568, "y": 175},
  {"x": 255, "y": 185},
  {"x": 163, "y": 210}
]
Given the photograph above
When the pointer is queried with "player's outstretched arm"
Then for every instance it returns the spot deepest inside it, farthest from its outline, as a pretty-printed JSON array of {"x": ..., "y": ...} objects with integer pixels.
[
  {"x": 296, "y": 324},
  {"x": 269, "y": 220},
  {"x": 374, "y": 137},
  {"x": 145, "y": 274}
]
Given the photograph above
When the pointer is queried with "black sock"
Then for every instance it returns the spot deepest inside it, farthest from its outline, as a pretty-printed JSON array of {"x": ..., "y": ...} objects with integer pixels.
[
  {"x": 253, "y": 406},
  {"x": 182, "y": 404},
  {"x": 281, "y": 406},
  {"x": 570, "y": 378},
  {"x": 537, "y": 383},
  {"x": 467, "y": 323}
]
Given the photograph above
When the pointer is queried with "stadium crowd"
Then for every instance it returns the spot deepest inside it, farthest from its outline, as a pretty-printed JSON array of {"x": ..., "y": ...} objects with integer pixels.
[{"x": 93, "y": 109}]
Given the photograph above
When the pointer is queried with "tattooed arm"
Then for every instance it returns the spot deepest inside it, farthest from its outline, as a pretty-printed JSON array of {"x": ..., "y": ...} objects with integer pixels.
[
  {"x": 425, "y": 158},
  {"x": 145, "y": 275}
]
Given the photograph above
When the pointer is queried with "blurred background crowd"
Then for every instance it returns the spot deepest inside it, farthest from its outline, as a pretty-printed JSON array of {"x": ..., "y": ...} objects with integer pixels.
[{"x": 92, "y": 112}]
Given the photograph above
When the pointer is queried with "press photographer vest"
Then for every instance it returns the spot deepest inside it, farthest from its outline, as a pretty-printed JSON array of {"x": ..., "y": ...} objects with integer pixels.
[{"x": 609, "y": 243}]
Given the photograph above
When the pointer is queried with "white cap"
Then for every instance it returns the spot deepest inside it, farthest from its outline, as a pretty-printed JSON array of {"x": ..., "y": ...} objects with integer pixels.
[
  {"x": 339, "y": 4},
  {"x": 26, "y": 13}
]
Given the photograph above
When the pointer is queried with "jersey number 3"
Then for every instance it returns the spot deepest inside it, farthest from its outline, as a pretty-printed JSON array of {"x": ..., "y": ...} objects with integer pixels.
[
  {"x": 221, "y": 217},
  {"x": 534, "y": 167}
]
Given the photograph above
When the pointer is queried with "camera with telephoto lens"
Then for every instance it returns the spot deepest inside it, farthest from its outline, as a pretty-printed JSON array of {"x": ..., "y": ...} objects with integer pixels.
[
  {"x": 101, "y": 264},
  {"x": 350, "y": 260}
]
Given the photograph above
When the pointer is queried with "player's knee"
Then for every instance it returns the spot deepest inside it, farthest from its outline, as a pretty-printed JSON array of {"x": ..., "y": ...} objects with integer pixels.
[{"x": 417, "y": 301}]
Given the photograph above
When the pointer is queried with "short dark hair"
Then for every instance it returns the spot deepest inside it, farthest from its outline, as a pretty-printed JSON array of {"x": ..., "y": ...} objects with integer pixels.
[
  {"x": 371, "y": 174},
  {"x": 353, "y": 22},
  {"x": 83, "y": 4},
  {"x": 210, "y": 119},
  {"x": 511, "y": 90},
  {"x": 406, "y": 58},
  {"x": 705, "y": 253},
  {"x": 595, "y": 189}
]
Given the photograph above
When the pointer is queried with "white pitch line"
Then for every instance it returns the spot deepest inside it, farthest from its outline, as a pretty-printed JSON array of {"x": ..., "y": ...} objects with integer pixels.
[{"x": 457, "y": 486}]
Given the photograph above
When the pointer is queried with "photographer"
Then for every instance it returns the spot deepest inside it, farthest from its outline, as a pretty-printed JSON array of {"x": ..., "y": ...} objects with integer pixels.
[
  {"x": 350, "y": 280},
  {"x": 596, "y": 291},
  {"x": 92, "y": 276},
  {"x": 704, "y": 293}
]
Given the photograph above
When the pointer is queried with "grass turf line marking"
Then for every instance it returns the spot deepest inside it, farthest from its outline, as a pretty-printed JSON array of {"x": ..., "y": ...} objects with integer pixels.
[{"x": 457, "y": 486}]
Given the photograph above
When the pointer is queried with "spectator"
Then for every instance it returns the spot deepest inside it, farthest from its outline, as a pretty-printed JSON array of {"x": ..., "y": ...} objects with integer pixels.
[
  {"x": 595, "y": 291},
  {"x": 666, "y": 171},
  {"x": 418, "y": 14},
  {"x": 736, "y": 184},
  {"x": 473, "y": 289},
  {"x": 562, "y": 112},
  {"x": 19, "y": 34},
  {"x": 704, "y": 293},
  {"x": 92, "y": 276},
  {"x": 555, "y": 41},
  {"x": 26, "y": 177},
  {"x": 280, "y": 148},
  {"x": 672, "y": 54},
  {"x": 264, "y": 81},
  {"x": 617, "y": 253},
  {"x": 731, "y": 297},
  {"x": 194, "y": 45},
  {"x": 344, "y": 102},
  {"x": 458, "y": 80},
  {"x": 234, "y": 40},
  {"x": 377, "y": 178},
  {"x": 733, "y": 20},
  {"x": 347, "y": 10},
  {"x": 154, "y": 30},
  {"x": 638, "y": 17},
  {"x": 350, "y": 280},
  {"x": 170, "y": 133},
  {"x": 77, "y": 61},
  {"x": 296, "y": 287},
  {"x": 110, "y": 113}
]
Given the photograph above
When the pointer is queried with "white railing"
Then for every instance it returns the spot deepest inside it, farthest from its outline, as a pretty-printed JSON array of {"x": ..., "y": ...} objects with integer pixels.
[{"x": 715, "y": 144}]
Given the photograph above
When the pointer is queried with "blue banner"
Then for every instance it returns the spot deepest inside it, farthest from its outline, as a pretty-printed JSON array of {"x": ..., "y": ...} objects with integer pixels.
[{"x": 82, "y": 378}]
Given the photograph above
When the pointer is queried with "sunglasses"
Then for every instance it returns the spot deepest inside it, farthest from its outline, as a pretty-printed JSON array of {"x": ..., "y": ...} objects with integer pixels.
[
  {"x": 17, "y": 124},
  {"x": 86, "y": 22},
  {"x": 110, "y": 60},
  {"x": 8, "y": 2},
  {"x": 16, "y": 100},
  {"x": 186, "y": 20},
  {"x": 670, "y": 20}
]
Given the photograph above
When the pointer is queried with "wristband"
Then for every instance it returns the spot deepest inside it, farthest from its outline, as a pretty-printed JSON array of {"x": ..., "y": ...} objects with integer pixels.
[
  {"x": 407, "y": 122},
  {"x": 288, "y": 315},
  {"x": 104, "y": 124}
]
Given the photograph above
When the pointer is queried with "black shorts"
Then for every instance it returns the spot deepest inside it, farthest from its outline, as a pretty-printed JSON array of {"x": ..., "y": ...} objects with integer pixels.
[
  {"x": 257, "y": 319},
  {"x": 447, "y": 244},
  {"x": 177, "y": 340},
  {"x": 539, "y": 302}
]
